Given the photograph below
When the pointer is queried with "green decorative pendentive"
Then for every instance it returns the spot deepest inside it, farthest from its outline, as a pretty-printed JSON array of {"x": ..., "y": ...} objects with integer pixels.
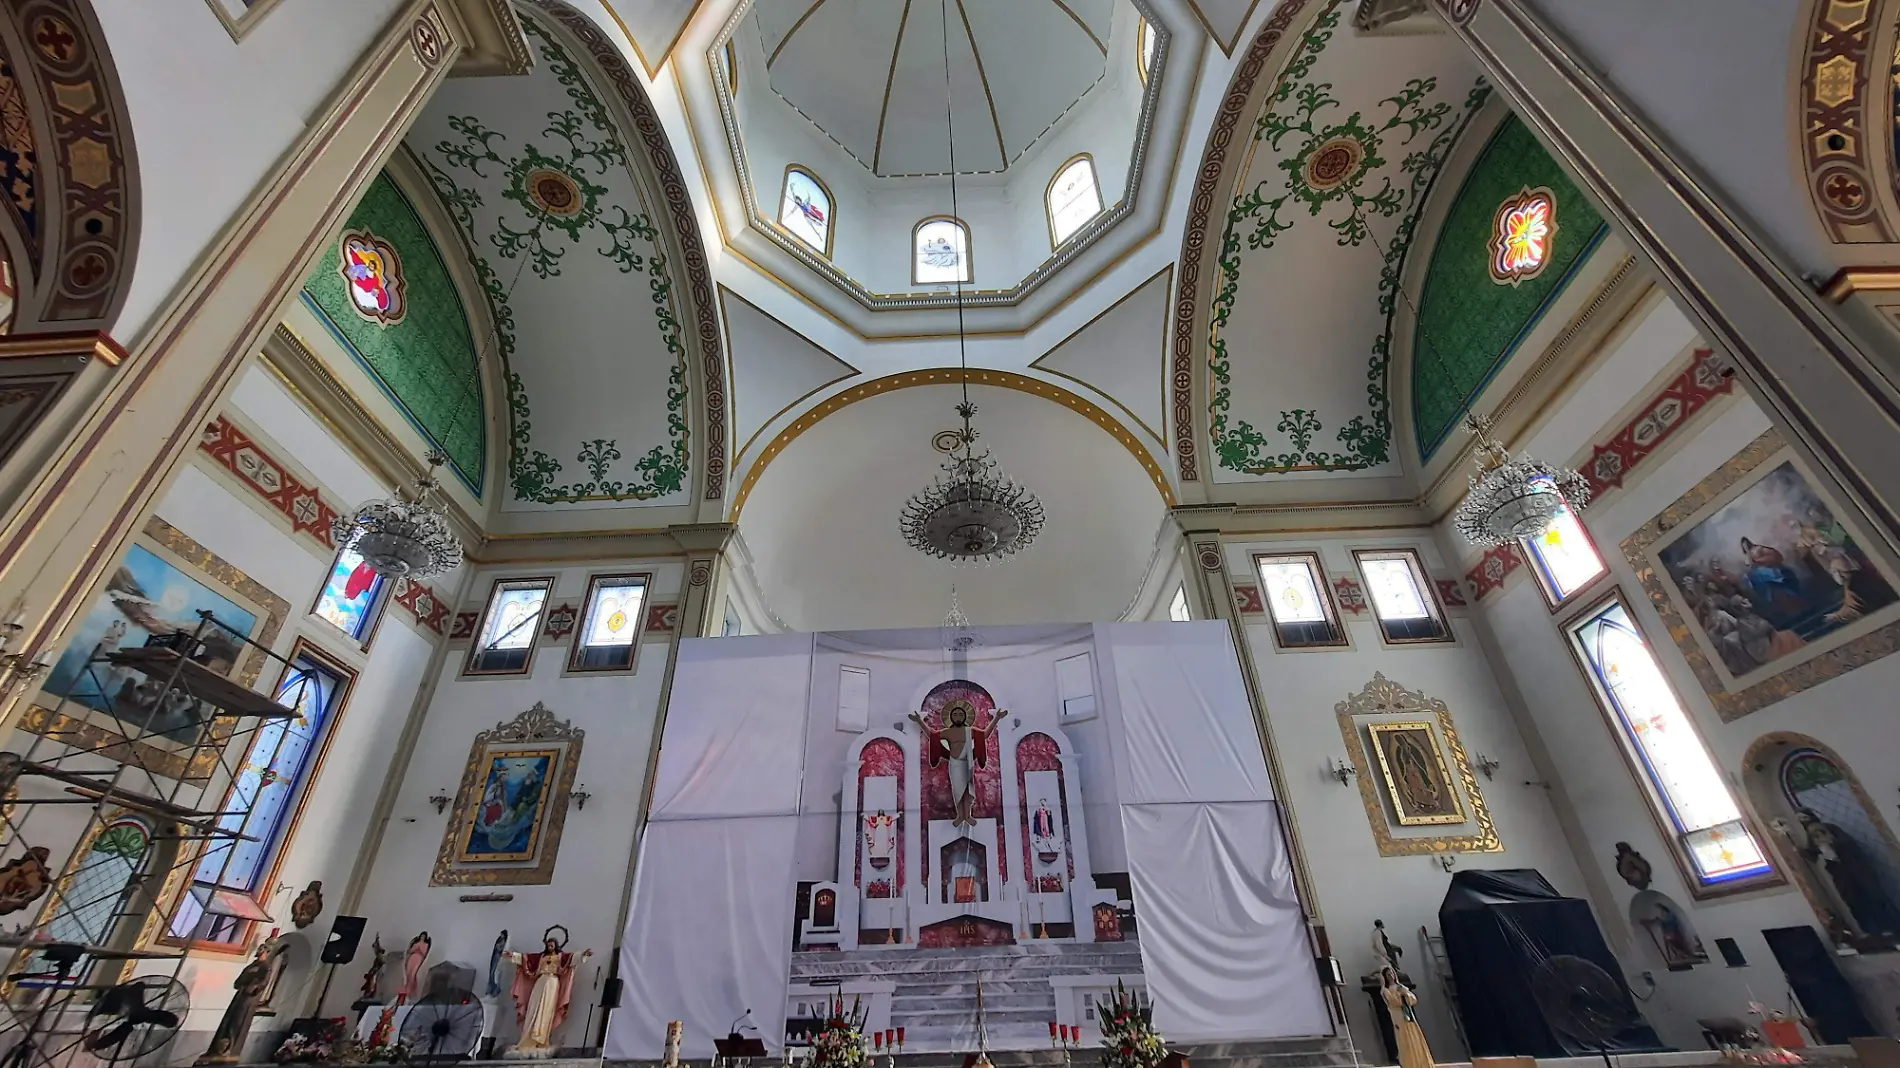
[
  {"x": 1333, "y": 169},
  {"x": 559, "y": 200},
  {"x": 425, "y": 361},
  {"x": 1468, "y": 324}
]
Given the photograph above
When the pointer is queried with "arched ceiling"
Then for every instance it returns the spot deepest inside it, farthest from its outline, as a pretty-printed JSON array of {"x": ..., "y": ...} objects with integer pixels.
[
  {"x": 821, "y": 521},
  {"x": 871, "y": 76},
  {"x": 1340, "y": 157}
]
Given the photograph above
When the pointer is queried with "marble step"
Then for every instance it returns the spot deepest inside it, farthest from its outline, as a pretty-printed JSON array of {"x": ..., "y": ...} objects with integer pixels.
[
  {"x": 952, "y": 1013},
  {"x": 859, "y": 965},
  {"x": 999, "y": 987}
]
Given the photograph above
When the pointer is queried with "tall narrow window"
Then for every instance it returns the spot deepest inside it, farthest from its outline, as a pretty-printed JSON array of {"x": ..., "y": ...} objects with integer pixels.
[
  {"x": 1074, "y": 198},
  {"x": 99, "y": 891},
  {"x": 352, "y": 597},
  {"x": 939, "y": 252},
  {"x": 1294, "y": 587},
  {"x": 610, "y": 624},
  {"x": 804, "y": 209},
  {"x": 1402, "y": 596},
  {"x": 504, "y": 642},
  {"x": 1178, "y": 608},
  {"x": 1683, "y": 784},
  {"x": 1075, "y": 686},
  {"x": 1144, "y": 49},
  {"x": 854, "y": 699},
  {"x": 1563, "y": 557},
  {"x": 264, "y": 798},
  {"x": 733, "y": 626}
]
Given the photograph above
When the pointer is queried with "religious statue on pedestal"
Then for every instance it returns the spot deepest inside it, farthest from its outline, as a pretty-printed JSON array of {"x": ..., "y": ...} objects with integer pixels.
[
  {"x": 1043, "y": 834},
  {"x": 880, "y": 838},
  {"x": 227, "y": 1042},
  {"x": 373, "y": 978},
  {"x": 1402, "y": 1005},
  {"x": 544, "y": 983},
  {"x": 412, "y": 961},
  {"x": 966, "y": 746}
]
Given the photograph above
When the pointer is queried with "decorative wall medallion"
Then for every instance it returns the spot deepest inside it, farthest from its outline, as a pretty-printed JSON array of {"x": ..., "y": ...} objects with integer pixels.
[
  {"x": 946, "y": 440},
  {"x": 662, "y": 618},
  {"x": 1450, "y": 592},
  {"x": 1497, "y": 563},
  {"x": 1632, "y": 867},
  {"x": 554, "y": 192},
  {"x": 372, "y": 276},
  {"x": 1802, "y": 603},
  {"x": 528, "y": 763},
  {"x": 1357, "y": 716},
  {"x": 421, "y": 601},
  {"x": 464, "y": 626},
  {"x": 1328, "y": 166},
  {"x": 1350, "y": 595},
  {"x": 1835, "y": 78},
  {"x": 1210, "y": 558},
  {"x": 1458, "y": 12},
  {"x": 701, "y": 574},
  {"x": 1247, "y": 599},
  {"x": 560, "y": 622},
  {"x": 426, "y": 37},
  {"x": 1521, "y": 238}
]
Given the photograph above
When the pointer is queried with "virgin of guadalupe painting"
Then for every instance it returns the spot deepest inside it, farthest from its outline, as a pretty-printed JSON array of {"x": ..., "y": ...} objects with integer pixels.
[
  {"x": 1415, "y": 774},
  {"x": 507, "y": 819},
  {"x": 1772, "y": 572}
]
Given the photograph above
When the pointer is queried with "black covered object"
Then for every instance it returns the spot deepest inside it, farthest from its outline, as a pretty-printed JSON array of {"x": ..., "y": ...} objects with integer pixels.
[{"x": 1498, "y": 926}]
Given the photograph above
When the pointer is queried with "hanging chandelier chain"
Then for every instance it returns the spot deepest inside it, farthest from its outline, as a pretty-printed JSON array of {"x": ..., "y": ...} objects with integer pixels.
[{"x": 950, "y": 136}]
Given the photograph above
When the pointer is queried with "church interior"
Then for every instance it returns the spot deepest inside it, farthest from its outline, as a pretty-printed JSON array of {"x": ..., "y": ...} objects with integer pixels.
[{"x": 856, "y": 533}]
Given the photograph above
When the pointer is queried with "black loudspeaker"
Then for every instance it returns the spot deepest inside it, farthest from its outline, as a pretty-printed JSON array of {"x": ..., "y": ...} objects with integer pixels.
[
  {"x": 345, "y": 933},
  {"x": 610, "y": 993}
]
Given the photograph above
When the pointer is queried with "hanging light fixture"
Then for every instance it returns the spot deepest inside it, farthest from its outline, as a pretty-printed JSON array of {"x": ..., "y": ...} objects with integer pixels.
[
  {"x": 1509, "y": 498},
  {"x": 1513, "y": 498},
  {"x": 971, "y": 511},
  {"x": 402, "y": 536}
]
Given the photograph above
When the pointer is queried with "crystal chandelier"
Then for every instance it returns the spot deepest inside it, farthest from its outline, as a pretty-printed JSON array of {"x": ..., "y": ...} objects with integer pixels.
[
  {"x": 404, "y": 536},
  {"x": 971, "y": 511},
  {"x": 1513, "y": 498}
]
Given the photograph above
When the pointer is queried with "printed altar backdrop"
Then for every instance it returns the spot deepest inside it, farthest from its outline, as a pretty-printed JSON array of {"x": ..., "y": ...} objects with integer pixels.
[{"x": 1045, "y": 812}]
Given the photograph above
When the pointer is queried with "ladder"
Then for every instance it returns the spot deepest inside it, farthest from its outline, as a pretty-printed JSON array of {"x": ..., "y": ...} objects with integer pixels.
[{"x": 1435, "y": 957}]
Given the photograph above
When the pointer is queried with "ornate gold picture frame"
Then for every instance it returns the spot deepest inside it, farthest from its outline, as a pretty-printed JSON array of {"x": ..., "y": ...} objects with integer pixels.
[
  {"x": 182, "y": 576},
  {"x": 1779, "y": 555},
  {"x": 1416, "y": 778},
  {"x": 505, "y": 828},
  {"x": 1384, "y": 698}
]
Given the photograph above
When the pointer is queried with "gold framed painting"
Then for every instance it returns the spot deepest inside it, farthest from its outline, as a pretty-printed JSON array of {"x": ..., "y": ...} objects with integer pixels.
[
  {"x": 162, "y": 583},
  {"x": 1384, "y": 703},
  {"x": 505, "y": 828},
  {"x": 1416, "y": 778},
  {"x": 1763, "y": 583}
]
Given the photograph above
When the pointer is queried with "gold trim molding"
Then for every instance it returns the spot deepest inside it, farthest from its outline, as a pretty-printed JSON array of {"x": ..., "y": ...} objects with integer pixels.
[
  {"x": 1383, "y": 697},
  {"x": 1851, "y": 280}
]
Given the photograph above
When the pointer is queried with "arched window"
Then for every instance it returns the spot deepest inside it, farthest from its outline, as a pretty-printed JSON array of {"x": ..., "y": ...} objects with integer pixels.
[
  {"x": 939, "y": 252},
  {"x": 804, "y": 209},
  {"x": 732, "y": 69},
  {"x": 1144, "y": 49},
  {"x": 1074, "y": 198},
  {"x": 97, "y": 892}
]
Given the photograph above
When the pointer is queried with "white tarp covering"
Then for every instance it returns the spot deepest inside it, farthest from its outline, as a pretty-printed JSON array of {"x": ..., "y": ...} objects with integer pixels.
[{"x": 1190, "y": 731}]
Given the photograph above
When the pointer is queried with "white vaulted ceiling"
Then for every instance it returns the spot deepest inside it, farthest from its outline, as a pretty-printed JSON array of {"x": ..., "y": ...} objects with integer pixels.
[{"x": 869, "y": 73}]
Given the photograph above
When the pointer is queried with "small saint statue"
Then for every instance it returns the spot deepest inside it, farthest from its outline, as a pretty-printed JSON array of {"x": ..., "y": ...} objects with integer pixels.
[
  {"x": 1402, "y": 1006},
  {"x": 373, "y": 978},
  {"x": 880, "y": 838},
  {"x": 227, "y": 1042},
  {"x": 1042, "y": 832},
  {"x": 495, "y": 956},
  {"x": 1384, "y": 953},
  {"x": 412, "y": 961},
  {"x": 544, "y": 983},
  {"x": 963, "y": 744}
]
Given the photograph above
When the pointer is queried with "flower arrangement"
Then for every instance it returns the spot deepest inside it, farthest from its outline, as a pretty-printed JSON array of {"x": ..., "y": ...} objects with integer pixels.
[
  {"x": 1129, "y": 1038},
  {"x": 318, "y": 1044},
  {"x": 840, "y": 1043}
]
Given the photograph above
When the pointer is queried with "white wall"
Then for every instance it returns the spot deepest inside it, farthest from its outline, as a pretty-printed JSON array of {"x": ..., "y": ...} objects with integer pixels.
[
  {"x": 617, "y": 711},
  {"x": 212, "y": 116}
]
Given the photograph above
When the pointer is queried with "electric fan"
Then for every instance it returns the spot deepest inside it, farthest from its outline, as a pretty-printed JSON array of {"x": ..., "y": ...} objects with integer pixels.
[
  {"x": 135, "y": 1018},
  {"x": 1582, "y": 1001},
  {"x": 442, "y": 1028}
]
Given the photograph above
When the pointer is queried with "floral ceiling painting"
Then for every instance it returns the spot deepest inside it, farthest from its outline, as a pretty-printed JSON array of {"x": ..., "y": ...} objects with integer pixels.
[
  {"x": 560, "y": 220},
  {"x": 1344, "y": 151}
]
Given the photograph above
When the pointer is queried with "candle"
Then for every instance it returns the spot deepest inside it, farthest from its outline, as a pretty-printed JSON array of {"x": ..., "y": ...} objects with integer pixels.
[
  {"x": 900, "y": 1038},
  {"x": 890, "y": 1037},
  {"x": 1052, "y": 1029}
]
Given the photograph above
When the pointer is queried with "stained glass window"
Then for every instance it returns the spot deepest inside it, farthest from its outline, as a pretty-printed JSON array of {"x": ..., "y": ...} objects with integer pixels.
[
  {"x": 1396, "y": 582},
  {"x": 1074, "y": 198},
  {"x": 260, "y": 803},
  {"x": 504, "y": 643},
  {"x": 1563, "y": 557},
  {"x": 1653, "y": 726},
  {"x": 611, "y": 623},
  {"x": 804, "y": 209},
  {"x": 1294, "y": 590},
  {"x": 351, "y": 595},
  {"x": 940, "y": 252},
  {"x": 1144, "y": 49},
  {"x": 99, "y": 890},
  {"x": 1520, "y": 247}
]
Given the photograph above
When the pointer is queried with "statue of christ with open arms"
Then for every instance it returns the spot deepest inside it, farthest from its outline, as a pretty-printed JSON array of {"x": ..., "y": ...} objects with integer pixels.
[{"x": 966, "y": 746}]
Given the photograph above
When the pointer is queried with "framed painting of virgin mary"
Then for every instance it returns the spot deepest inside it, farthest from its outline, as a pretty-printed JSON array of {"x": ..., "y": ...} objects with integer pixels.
[{"x": 1415, "y": 774}]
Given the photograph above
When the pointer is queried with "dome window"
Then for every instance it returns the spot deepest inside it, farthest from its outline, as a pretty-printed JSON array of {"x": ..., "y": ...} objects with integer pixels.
[
  {"x": 804, "y": 209},
  {"x": 1144, "y": 49},
  {"x": 1073, "y": 198},
  {"x": 940, "y": 252}
]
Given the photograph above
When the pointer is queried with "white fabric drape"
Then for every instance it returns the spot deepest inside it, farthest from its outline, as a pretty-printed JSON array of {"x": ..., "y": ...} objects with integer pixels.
[
  {"x": 1184, "y": 711},
  {"x": 1223, "y": 941}
]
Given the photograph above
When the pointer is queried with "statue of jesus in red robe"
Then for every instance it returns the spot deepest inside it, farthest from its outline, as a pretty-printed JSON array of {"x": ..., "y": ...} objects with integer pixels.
[{"x": 966, "y": 746}]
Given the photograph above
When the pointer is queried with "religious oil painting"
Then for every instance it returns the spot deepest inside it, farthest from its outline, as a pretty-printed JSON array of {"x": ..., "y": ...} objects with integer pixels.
[
  {"x": 505, "y": 827},
  {"x": 1415, "y": 774},
  {"x": 514, "y": 798},
  {"x": 1771, "y": 572}
]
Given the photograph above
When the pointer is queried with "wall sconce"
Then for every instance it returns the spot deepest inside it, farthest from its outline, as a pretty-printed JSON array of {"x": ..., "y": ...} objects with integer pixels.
[
  {"x": 15, "y": 669},
  {"x": 1447, "y": 861},
  {"x": 1486, "y": 765},
  {"x": 580, "y": 796},
  {"x": 440, "y": 800},
  {"x": 1345, "y": 773}
]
